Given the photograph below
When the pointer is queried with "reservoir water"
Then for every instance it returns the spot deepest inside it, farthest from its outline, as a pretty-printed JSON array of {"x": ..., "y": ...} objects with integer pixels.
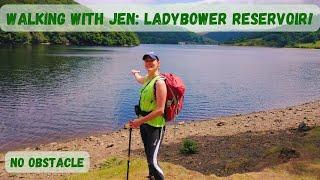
[{"x": 49, "y": 93}]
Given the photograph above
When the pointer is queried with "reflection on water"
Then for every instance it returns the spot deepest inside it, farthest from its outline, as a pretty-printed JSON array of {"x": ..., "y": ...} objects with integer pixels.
[{"x": 51, "y": 92}]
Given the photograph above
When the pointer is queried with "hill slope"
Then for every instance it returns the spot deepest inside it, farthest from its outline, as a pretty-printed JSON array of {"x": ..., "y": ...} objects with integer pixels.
[
  {"x": 269, "y": 39},
  {"x": 173, "y": 38}
]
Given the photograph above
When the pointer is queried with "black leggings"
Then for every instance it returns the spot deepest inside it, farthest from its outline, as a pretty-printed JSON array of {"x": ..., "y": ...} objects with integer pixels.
[{"x": 152, "y": 138}]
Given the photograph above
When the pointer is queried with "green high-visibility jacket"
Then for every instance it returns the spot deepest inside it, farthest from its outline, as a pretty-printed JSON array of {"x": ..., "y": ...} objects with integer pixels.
[{"x": 148, "y": 102}]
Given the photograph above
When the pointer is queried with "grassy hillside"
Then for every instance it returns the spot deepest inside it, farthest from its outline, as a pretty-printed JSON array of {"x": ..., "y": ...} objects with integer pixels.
[
  {"x": 284, "y": 39},
  {"x": 269, "y": 39}
]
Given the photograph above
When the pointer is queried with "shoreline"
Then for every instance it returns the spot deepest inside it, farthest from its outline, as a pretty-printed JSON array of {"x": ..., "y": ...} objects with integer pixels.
[
  {"x": 115, "y": 143},
  {"x": 35, "y": 145},
  {"x": 131, "y": 46}
]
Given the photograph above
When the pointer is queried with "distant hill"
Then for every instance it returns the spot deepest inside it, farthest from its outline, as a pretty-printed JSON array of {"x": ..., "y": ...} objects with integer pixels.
[
  {"x": 278, "y": 39},
  {"x": 222, "y": 37},
  {"x": 270, "y": 39},
  {"x": 173, "y": 38}
]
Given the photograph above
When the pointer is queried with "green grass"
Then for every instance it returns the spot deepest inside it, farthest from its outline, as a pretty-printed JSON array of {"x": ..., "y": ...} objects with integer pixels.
[
  {"x": 301, "y": 169},
  {"x": 314, "y": 134},
  {"x": 114, "y": 168},
  {"x": 189, "y": 146},
  {"x": 272, "y": 151}
]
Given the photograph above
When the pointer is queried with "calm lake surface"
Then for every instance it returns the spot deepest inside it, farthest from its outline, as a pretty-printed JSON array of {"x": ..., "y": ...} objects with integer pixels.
[{"x": 49, "y": 93}]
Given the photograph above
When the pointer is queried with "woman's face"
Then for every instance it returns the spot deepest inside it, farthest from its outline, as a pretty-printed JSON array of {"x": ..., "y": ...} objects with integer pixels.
[{"x": 151, "y": 65}]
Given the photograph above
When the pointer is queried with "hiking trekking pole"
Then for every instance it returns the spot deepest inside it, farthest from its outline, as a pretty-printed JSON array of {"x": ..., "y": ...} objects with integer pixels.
[{"x": 128, "y": 164}]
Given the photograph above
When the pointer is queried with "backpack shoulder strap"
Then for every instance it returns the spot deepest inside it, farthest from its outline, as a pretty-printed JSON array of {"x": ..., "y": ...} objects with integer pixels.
[{"x": 154, "y": 87}]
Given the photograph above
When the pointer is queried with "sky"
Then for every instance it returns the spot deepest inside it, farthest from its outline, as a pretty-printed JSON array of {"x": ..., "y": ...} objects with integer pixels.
[{"x": 220, "y": 1}]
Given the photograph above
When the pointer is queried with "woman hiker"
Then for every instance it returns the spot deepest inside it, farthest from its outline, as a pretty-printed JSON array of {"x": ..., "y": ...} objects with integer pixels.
[{"x": 150, "y": 112}]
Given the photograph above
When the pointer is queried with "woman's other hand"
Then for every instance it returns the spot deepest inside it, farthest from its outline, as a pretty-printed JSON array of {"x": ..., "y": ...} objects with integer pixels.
[{"x": 135, "y": 123}]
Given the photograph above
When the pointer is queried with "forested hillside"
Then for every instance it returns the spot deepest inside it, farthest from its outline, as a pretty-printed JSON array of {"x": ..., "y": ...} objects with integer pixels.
[
  {"x": 76, "y": 38},
  {"x": 270, "y": 39},
  {"x": 173, "y": 38}
]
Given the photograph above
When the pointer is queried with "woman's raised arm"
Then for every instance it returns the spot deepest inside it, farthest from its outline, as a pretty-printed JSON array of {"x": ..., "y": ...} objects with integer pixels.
[{"x": 137, "y": 76}]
